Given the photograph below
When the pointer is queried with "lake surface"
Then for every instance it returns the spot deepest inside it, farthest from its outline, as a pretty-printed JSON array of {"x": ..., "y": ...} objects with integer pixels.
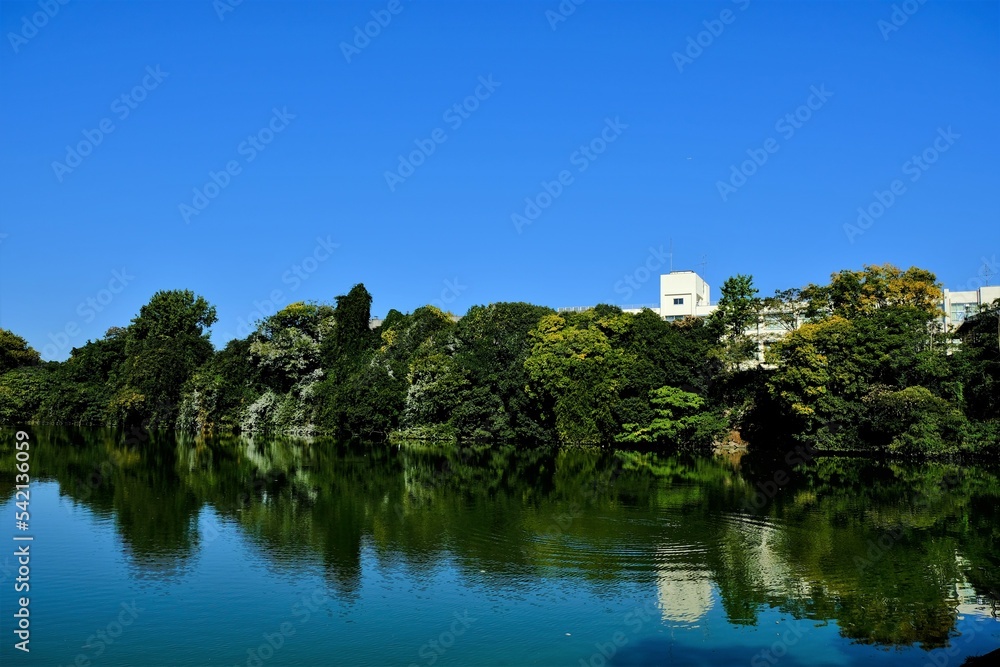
[{"x": 230, "y": 551}]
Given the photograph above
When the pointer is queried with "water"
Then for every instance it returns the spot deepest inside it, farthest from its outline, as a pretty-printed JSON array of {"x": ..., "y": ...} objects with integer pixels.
[{"x": 184, "y": 551}]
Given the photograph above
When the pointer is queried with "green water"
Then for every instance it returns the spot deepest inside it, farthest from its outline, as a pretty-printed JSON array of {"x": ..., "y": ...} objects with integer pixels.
[{"x": 184, "y": 551}]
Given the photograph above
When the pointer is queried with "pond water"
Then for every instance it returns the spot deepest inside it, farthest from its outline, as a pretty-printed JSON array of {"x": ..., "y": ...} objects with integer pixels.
[{"x": 175, "y": 550}]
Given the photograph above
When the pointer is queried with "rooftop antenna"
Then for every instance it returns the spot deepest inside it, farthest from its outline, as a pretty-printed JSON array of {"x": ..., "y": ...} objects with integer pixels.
[
  {"x": 987, "y": 272},
  {"x": 704, "y": 263},
  {"x": 671, "y": 255}
]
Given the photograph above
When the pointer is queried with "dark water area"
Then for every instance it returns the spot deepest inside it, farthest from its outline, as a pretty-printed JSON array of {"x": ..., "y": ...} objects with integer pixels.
[{"x": 179, "y": 550}]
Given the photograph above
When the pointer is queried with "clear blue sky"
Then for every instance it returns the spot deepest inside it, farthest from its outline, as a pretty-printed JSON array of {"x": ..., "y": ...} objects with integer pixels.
[{"x": 557, "y": 85}]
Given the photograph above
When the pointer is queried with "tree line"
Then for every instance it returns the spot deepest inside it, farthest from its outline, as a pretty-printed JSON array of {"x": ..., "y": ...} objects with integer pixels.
[{"x": 860, "y": 363}]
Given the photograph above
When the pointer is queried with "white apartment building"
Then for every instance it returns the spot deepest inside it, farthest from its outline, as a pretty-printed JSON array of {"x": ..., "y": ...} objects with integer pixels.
[
  {"x": 686, "y": 294},
  {"x": 959, "y": 306}
]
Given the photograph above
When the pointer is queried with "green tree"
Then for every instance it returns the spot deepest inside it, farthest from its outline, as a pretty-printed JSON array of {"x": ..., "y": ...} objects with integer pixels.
[
  {"x": 492, "y": 344},
  {"x": 786, "y": 308},
  {"x": 218, "y": 393},
  {"x": 818, "y": 382},
  {"x": 854, "y": 293},
  {"x": 164, "y": 345},
  {"x": 737, "y": 312},
  {"x": 15, "y": 352},
  {"x": 86, "y": 383},
  {"x": 364, "y": 395},
  {"x": 22, "y": 391},
  {"x": 287, "y": 346},
  {"x": 913, "y": 421},
  {"x": 682, "y": 418},
  {"x": 975, "y": 365},
  {"x": 662, "y": 353},
  {"x": 870, "y": 369},
  {"x": 353, "y": 336},
  {"x": 576, "y": 373}
]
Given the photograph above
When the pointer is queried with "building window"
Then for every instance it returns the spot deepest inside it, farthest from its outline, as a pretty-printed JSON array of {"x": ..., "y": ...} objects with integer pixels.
[
  {"x": 679, "y": 301},
  {"x": 773, "y": 322},
  {"x": 962, "y": 311}
]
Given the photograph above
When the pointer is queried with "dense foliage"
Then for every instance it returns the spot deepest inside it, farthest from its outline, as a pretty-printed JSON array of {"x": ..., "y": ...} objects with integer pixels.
[{"x": 869, "y": 368}]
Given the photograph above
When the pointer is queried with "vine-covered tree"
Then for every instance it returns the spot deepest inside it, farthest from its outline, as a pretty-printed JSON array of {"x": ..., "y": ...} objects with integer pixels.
[{"x": 164, "y": 345}]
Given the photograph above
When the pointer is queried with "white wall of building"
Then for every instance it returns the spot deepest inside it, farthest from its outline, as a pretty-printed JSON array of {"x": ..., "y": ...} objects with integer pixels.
[
  {"x": 959, "y": 306},
  {"x": 684, "y": 294}
]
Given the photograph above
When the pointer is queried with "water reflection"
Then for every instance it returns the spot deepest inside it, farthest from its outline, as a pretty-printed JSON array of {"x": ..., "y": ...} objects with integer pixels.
[{"x": 894, "y": 553}]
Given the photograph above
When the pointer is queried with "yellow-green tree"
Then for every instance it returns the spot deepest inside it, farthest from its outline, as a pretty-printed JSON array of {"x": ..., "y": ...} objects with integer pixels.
[{"x": 576, "y": 373}]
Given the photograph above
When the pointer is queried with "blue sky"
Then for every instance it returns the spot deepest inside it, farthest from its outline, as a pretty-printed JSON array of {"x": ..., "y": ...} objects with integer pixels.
[{"x": 309, "y": 118}]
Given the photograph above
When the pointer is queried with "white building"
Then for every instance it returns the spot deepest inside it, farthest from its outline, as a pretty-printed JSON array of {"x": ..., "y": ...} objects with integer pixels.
[
  {"x": 682, "y": 294},
  {"x": 686, "y": 294},
  {"x": 959, "y": 306}
]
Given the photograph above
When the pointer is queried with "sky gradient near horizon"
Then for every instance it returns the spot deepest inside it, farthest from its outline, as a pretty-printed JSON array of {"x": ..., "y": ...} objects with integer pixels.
[{"x": 252, "y": 152}]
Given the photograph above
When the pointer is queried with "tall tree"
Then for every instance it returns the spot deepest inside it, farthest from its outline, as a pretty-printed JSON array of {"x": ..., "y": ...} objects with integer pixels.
[
  {"x": 737, "y": 313},
  {"x": 492, "y": 346},
  {"x": 164, "y": 345},
  {"x": 577, "y": 373},
  {"x": 353, "y": 335}
]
